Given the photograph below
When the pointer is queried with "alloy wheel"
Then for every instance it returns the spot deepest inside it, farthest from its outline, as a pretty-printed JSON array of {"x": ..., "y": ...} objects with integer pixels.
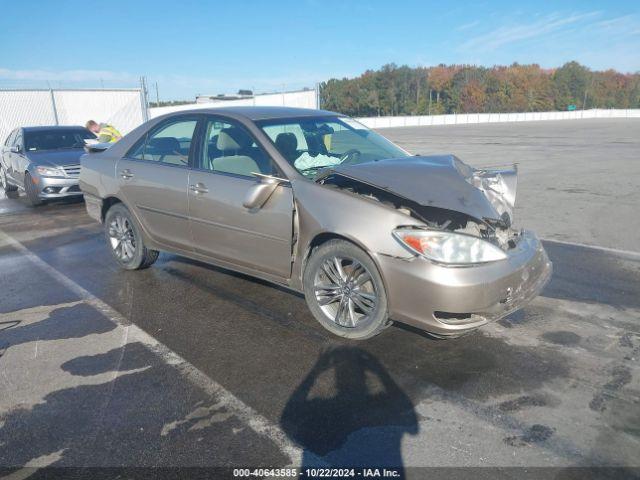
[
  {"x": 345, "y": 291},
  {"x": 122, "y": 238}
]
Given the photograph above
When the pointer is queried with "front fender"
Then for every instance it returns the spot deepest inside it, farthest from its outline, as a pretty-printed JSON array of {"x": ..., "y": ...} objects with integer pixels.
[{"x": 366, "y": 223}]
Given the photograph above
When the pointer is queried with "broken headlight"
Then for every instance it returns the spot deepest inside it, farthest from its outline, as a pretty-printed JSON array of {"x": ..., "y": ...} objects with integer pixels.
[{"x": 448, "y": 247}]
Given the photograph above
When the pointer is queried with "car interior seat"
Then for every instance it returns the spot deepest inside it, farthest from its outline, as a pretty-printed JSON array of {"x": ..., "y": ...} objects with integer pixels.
[
  {"x": 315, "y": 145},
  {"x": 165, "y": 149},
  {"x": 234, "y": 146},
  {"x": 287, "y": 145}
]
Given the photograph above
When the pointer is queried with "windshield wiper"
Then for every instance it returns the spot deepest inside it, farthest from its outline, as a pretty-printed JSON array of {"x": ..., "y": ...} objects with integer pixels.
[
  {"x": 316, "y": 167},
  {"x": 75, "y": 145}
]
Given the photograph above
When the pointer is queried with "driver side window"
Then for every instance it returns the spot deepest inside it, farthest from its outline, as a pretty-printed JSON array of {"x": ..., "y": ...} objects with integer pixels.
[
  {"x": 229, "y": 148},
  {"x": 169, "y": 143}
]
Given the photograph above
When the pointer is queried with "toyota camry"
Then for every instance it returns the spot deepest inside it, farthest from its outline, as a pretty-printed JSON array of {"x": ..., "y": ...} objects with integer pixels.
[{"x": 317, "y": 202}]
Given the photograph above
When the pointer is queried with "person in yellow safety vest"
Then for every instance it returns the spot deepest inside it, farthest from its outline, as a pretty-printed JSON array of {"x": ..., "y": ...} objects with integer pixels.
[{"x": 106, "y": 133}]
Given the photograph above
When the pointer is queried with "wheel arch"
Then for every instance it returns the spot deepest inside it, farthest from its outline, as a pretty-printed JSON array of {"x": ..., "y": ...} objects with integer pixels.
[
  {"x": 107, "y": 203},
  {"x": 111, "y": 200},
  {"x": 323, "y": 237}
]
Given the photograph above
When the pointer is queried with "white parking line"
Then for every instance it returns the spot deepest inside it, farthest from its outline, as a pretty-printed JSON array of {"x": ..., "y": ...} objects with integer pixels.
[
  {"x": 245, "y": 414},
  {"x": 627, "y": 253}
]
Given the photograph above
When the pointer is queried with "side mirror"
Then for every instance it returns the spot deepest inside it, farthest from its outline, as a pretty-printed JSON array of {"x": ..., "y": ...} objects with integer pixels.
[
  {"x": 260, "y": 192},
  {"x": 16, "y": 149}
]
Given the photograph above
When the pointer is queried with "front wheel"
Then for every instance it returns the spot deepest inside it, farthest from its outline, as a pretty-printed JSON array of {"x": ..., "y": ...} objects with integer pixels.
[
  {"x": 125, "y": 240},
  {"x": 32, "y": 191},
  {"x": 345, "y": 292}
]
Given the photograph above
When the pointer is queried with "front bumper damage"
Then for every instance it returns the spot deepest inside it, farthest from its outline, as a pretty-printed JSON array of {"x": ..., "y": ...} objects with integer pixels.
[{"x": 451, "y": 301}]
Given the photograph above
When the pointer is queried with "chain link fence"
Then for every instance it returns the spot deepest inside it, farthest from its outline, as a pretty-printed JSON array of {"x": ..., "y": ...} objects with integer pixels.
[{"x": 125, "y": 109}]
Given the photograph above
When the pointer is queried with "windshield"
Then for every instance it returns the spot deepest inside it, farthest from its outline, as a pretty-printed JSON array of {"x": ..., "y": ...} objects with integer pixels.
[
  {"x": 311, "y": 144},
  {"x": 56, "y": 139}
]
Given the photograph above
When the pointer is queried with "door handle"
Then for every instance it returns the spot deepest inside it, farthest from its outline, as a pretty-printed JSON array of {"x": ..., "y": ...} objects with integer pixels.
[
  {"x": 126, "y": 174},
  {"x": 199, "y": 188}
]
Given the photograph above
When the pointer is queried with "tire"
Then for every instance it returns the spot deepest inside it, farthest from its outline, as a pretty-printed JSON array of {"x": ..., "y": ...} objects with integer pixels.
[
  {"x": 125, "y": 241},
  {"x": 3, "y": 181},
  {"x": 350, "y": 302},
  {"x": 31, "y": 191}
]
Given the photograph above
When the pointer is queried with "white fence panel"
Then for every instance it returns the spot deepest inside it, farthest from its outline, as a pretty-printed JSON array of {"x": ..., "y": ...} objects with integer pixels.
[
  {"x": 22, "y": 107},
  {"x": 471, "y": 118},
  {"x": 124, "y": 109},
  {"x": 300, "y": 99},
  {"x": 120, "y": 108}
]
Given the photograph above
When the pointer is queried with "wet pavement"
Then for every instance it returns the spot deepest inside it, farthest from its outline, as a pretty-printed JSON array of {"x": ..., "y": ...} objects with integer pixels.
[{"x": 185, "y": 364}]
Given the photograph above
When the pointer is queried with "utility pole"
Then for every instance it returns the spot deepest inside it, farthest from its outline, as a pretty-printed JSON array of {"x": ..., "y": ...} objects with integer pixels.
[
  {"x": 429, "y": 101},
  {"x": 157, "y": 96},
  {"x": 144, "y": 99},
  {"x": 53, "y": 106}
]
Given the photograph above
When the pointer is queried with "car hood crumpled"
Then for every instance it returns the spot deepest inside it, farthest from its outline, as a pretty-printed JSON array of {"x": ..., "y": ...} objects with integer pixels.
[{"x": 444, "y": 182}]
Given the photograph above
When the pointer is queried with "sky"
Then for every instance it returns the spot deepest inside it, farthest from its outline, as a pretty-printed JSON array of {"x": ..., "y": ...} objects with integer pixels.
[{"x": 210, "y": 47}]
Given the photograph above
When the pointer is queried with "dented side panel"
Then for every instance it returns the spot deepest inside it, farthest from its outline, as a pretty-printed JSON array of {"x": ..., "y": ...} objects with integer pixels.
[{"x": 323, "y": 210}]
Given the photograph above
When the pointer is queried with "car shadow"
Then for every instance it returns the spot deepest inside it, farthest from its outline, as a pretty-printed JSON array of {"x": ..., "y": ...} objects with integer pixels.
[
  {"x": 127, "y": 408},
  {"x": 348, "y": 411},
  {"x": 74, "y": 321}
]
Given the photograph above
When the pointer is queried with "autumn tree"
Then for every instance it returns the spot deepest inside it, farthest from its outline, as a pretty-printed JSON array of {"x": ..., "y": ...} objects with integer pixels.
[{"x": 402, "y": 90}]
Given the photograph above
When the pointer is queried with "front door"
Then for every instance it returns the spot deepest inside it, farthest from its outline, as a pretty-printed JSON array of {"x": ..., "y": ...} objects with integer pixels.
[
  {"x": 6, "y": 154},
  {"x": 18, "y": 161},
  {"x": 154, "y": 178},
  {"x": 222, "y": 227}
]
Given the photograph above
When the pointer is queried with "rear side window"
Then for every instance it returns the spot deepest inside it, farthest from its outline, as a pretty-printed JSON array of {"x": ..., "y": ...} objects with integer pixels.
[{"x": 169, "y": 143}]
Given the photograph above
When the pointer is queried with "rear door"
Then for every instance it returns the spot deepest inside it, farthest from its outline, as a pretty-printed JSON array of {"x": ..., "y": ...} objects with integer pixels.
[
  {"x": 222, "y": 227},
  {"x": 154, "y": 178}
]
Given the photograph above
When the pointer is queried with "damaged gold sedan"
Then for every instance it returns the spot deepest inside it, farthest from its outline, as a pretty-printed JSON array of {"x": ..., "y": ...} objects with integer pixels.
[{"x": 317, "y": 202}]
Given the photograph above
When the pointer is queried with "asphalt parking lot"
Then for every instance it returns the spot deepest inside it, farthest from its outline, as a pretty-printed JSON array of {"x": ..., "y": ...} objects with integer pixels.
[{"x": 185, "y": 364}]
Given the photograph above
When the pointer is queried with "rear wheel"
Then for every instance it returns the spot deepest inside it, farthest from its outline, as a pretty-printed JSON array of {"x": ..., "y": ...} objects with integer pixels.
[
  {"x": 125, "y": 240},
  {"x": 345, "y": 292},
  {"x": 4, "y": 182},
  {"x": 31, "y": 191}
]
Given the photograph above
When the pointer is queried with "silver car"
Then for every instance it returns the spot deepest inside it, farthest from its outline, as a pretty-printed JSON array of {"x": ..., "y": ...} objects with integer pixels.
[
  {"x": 44, "y": 162},
  {"x": 317, "y": 202}
]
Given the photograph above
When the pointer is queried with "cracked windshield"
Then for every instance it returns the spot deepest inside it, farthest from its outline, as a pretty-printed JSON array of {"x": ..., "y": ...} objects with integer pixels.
[{"x": 311, "y": 145}]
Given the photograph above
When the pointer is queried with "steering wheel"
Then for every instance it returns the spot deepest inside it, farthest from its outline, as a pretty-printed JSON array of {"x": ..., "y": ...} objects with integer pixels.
[{"x": 350, "y": 156}]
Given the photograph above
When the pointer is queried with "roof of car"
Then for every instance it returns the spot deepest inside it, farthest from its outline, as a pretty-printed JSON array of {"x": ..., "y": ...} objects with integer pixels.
[
  {"x": 51, "y": 127},
  {"x": 265, "y": 113}
]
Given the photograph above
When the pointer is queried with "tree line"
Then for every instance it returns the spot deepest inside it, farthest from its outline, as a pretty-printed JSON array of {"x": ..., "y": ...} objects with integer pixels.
[{"x": 394, "y": 90}]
